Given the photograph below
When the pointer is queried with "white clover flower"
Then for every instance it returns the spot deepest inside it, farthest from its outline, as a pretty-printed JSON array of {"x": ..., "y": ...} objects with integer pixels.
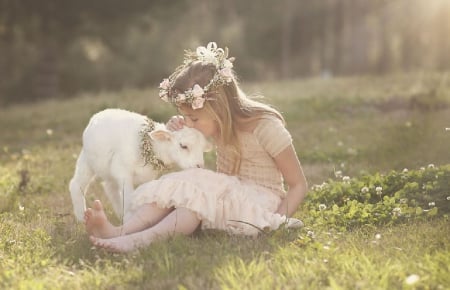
[
  {"x": 378, "y": 236},
  {"x": 431, "y": 165},
  {"x": 310, "y": 234},
  {"x": 448, "y": 197},
  {"x": 338, "y": 174},
  {"x": 49, "y": 132},
  {"x": 21, "y": 208},
  {"x": 322, "y": 207},
  {"x": 365, "y": 189},
  {"x": 405, "y": 170},
  {"x": 422, "y": 168},
  {"x": 431, "y": 204},
  {"x": 379, "y": 190},
  {"x": 346, "y": 178},
  {"x": 412, "y": 279},
  {"x": 397, "y": 211}
]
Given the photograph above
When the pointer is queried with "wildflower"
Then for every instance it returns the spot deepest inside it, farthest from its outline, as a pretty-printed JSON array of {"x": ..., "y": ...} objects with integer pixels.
[
  {"x": 227, "y": 73},
  {"x": 378, "y": 236},
  {"x": 379, "y": 190},
  {"x": 49, "y": 132},
  {"x": 405, "y": 170},
  {"x": 412, "y": 279},
  {"x": 365, "y": 189},
  {"x": 448, "y": 197},
  {"x": 207, "y": 54},
  {"x": 397, "y": 211},
  {"x": 197, "y": 103},
  {"x": 338, "y": 174},
  {"x": 346, "y": 179},
  {"x": 431, "y": 165},
  {"x": 322, "y": 207},
  {"x": 165, "y": 84},
  {"x": 431, "y": 204},
  {"x": 310, "y": 234},
  {"x": 21, "y": 208},
  {"x": 197, "y": 91}
]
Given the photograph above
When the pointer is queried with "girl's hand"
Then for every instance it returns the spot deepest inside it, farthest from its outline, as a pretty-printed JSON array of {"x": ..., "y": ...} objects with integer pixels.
[{"x": 175, "y": 123}]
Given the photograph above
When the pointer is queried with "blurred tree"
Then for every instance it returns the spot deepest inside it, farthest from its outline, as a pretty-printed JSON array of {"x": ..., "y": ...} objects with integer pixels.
[
  {"x": 54, "y": 47},
  {"x": 49, "y": 26}
]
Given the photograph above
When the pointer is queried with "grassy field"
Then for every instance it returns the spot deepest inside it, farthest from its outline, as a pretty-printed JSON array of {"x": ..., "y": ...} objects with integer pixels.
[{"x": 341, "y": 127}]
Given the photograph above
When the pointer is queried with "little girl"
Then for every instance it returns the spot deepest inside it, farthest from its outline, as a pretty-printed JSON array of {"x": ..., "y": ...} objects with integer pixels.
[{"x": 255, "y": 157}]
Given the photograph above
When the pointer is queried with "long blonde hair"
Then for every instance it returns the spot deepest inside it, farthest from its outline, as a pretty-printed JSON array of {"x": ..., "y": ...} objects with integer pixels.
[{"x": 228, "y": 105}]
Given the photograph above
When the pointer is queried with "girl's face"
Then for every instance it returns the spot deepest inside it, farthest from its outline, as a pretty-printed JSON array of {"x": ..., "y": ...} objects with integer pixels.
[{"x": 200, "y": 119}]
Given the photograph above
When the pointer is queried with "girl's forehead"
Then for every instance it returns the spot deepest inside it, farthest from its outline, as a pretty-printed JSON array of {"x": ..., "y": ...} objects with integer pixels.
[{"x": 186, "y": 111}]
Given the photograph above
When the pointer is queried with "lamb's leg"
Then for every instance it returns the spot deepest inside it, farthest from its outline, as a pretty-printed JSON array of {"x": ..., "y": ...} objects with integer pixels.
[
  {"x": 119, "y": 192},
  {"x": 79, "y": 185}
]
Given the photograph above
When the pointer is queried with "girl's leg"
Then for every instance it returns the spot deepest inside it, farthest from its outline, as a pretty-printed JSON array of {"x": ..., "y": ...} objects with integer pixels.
[
  {"x": 98, "y": 225},
  {"x": 179, "y": 221}
]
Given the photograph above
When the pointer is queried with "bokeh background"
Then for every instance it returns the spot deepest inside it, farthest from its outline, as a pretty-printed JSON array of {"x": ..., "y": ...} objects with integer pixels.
[{"x": 59, "y": 48}]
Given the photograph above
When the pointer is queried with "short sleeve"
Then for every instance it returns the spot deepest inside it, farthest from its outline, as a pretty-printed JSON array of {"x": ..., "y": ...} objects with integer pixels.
[{"x": 272, "y": 135}]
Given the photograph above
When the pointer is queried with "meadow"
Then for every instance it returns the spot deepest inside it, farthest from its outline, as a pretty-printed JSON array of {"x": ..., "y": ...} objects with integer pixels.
[{"x": 375, "y": 151}]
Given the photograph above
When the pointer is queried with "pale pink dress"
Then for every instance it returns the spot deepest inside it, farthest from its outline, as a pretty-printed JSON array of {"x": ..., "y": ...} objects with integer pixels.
[{"x": 239, "y": 204}]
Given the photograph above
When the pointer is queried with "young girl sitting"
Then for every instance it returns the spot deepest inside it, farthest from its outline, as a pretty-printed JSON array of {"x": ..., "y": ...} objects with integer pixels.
[{"x": 255, "y": 158}]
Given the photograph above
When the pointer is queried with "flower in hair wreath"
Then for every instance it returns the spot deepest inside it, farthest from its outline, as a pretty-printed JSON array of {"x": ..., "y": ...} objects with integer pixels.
[{"x": 197, "y": 95}]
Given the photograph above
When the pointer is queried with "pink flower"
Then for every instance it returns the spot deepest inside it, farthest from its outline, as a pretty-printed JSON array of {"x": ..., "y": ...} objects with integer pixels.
[
  {"x": 163, "y": 96},
  {"x": 197, "y": 91},
  {"x": 181, "y": 98},
  {"x": 165, "y": 84},
  {"x": 227, "y": 73},
  {"x": 197, "y": 103}
]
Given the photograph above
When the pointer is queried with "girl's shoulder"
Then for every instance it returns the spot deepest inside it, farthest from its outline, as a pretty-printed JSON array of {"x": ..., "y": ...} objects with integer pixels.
[{"x": 259, "y": 123}]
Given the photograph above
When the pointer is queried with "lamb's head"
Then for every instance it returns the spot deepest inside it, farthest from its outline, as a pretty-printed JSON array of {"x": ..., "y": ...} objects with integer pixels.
[{"x": 183, "y": 147}]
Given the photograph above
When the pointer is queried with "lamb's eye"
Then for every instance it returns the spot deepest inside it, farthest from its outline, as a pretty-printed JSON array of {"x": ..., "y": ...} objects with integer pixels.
[{"x": 183, "y": 146}]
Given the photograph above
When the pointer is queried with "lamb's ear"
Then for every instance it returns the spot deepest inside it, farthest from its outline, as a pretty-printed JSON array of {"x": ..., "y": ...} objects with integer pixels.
[
  {"x": 208, "y": 146},
  {"x": 160, "y": 135}
]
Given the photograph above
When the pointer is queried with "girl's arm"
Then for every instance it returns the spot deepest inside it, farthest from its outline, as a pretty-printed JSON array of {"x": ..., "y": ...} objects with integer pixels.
[{"x": 292, "y": 171}]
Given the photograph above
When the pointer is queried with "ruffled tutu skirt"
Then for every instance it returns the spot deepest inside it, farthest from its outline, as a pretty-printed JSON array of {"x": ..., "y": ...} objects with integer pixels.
[{"x": 221, "y": 201}]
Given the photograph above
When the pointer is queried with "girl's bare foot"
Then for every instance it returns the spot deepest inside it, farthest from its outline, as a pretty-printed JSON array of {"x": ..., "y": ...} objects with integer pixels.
[
  {"x": 97, "y": 223},
  {"x": 122, "y": 244}
]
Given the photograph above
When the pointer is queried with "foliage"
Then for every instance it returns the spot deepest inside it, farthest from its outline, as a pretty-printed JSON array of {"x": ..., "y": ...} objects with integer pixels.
[{"x": 380, "y": 199}]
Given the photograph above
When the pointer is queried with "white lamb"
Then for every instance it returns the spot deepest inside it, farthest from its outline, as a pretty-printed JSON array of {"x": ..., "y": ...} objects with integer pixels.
[{"x": 125, "y": 149}]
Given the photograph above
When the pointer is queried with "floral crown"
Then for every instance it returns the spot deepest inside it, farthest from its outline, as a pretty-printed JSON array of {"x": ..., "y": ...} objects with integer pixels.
[{"x": 197, "y": 95}]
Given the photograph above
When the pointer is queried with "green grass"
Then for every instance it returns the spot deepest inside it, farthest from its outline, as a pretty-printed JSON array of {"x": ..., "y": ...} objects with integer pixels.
[{"x": 354, "y": 125}]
